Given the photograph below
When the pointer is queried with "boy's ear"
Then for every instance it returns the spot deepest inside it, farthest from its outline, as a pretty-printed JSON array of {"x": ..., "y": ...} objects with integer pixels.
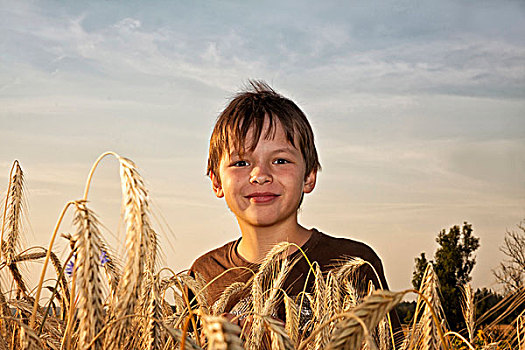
[
  {"x": 216, "y": 185},
  {"x": 309, "y": 182}
]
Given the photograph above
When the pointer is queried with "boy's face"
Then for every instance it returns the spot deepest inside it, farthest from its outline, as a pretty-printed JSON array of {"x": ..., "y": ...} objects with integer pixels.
[{"x": 264, "y": 187}]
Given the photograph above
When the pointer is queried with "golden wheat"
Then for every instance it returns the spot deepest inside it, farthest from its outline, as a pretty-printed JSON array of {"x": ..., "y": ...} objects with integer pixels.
[
  {"x": 128, "y": 309},
  {"x": 90, "y": 312},
  {"x": 468, "y": 309}
]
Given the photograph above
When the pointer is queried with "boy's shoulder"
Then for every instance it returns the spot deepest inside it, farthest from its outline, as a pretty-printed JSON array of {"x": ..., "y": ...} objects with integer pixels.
[
  {"x": 218, "y": 259},
  {"x": 327, "y": 249}
]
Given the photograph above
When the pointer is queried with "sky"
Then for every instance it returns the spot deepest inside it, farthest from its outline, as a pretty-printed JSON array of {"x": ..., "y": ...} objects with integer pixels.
[{"x": 417, "y": 106}]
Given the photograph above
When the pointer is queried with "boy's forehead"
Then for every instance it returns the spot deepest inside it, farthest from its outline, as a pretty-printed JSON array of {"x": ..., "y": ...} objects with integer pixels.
[
  {"x": 239, "y": 144},
  {"x": 233, "y": 152}
]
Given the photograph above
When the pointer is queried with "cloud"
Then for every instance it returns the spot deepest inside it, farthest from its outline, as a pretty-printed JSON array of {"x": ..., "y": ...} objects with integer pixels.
[{"x": 410, "y": 57}]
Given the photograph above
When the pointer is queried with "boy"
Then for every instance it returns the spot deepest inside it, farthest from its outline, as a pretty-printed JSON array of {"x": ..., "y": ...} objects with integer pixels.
[{"x": 262, "y": 160}]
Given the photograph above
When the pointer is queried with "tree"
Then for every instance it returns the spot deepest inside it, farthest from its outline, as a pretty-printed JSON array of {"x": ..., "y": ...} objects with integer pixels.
[
  {"x": 419, "y": 270},
  {"x": 453, "y": 263},
  {"x": 511, "y": 271}
]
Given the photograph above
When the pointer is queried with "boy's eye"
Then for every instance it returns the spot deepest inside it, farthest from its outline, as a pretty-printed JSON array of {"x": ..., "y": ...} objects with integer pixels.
[
  {"x": 240, "y": 163},
  {"x": 281, "y": 161}
]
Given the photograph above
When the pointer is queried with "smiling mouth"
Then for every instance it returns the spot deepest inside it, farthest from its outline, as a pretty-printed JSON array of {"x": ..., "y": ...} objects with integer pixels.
[{"x": 262, "y": 197}]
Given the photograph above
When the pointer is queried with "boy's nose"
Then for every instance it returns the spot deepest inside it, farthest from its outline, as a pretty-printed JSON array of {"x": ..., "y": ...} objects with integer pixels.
[{"x": 260, "y": 176}]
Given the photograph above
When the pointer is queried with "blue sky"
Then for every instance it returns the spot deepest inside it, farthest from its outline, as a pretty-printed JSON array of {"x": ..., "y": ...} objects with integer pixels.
[{"x": 418, "y": 109}]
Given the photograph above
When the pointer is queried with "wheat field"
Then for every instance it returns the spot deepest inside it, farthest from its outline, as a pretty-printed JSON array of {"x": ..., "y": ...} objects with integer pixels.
[{"x": 101, "y": 301}]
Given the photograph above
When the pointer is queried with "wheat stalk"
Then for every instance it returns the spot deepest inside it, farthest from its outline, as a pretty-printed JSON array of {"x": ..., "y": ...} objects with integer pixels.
[
  {"x": 232, "y": 290},
  {"x": 279, "y": 339},
  {"x": 468, "y": 309},
  {"x": 320, "y": 308},
  {"x": 180, "y": 305},
  {"x": 345, "y": 274},
  {"x": 334, "y": 303},
  {"x": 51, "y": 329},
  {"x": 197, "y": 285},
  {"x": 150, "y": 302},
  {"x": 221, "y": 334},
  {"x": 350, "y": 331},
  {"x": 3, "y": 343},
  {"x": 520, "y": 330},
  {"x": 58, "y": 269},
  {"x": 5, "y": 312},
  {"x": 270, "y": 277},
  {"x": 14, "y": 210},
  {"x": 428, "y": 333},
  {"x": 87, "y": 265},
  {"x": 136, "y": 213},
  {"x": 177, "y": 336},
  {"x": 152, "y": 335},
  {"x": 292, "y": 319},
  {"x": 383, "y": 335},
  {"x": 44, "y": 267},
  {"x": 17, "y": 277},
  {"x": 334, "y": 300},
  {"x": 113, "y": 275},
  {"x": 150, "y": 299},
  {"x": 25, "y": 257},
  {"x": 348, "y": 267},
  {"x": 429, "y": 288},
  {"x": 62, "y": 280},
  {"x": 29, "y": 340}
]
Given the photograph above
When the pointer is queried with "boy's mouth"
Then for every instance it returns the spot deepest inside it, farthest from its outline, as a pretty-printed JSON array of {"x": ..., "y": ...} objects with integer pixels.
[{"x": 262, "y": 197}]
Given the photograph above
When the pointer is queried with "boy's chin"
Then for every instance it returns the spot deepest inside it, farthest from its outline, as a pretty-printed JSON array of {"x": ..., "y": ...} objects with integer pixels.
[
  {"x": 263, "y": 221},
  {"x": 260, "y": 223}
]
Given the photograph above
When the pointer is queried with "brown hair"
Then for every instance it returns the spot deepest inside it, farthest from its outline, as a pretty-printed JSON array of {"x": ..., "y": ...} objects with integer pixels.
[{"x": 248, "y": 109}]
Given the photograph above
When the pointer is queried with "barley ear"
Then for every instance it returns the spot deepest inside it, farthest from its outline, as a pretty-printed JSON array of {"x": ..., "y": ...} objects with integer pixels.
[
  {"x": 221, "y": 334},
  {"x": 5, "y": 312},
  {"x": 29, "y": 340},
  {"x": 176, "y": 335},
  {"x": 269, "y": 279},
  {"x": 292, "y": 319},
  {"x": 520, "y": 330},
  {"x": 320, "y": 308},
  {"x": 62, "y": 281},
  {"x": 427, "y": 333},
  {"x": 278, "y": 337},
  {"x": 90, "y": 314},
  {"x": 136, "y": 213},
  {"x": 113, "y": 273},
  {"x": 197, "y": 286},
  {"x": 335, "y": 296},
  {"x": 232, "y": 290},
  {"x": 153, "y": 335},
  {"x": 348, "y": 267},
  {"x": 384, "y": 339},
  {"x": 12, "y": 213},
  {"x": 3, "y": 343},
  {"x": 468, "y": 309},
  {"x": 365, "y": 316}
]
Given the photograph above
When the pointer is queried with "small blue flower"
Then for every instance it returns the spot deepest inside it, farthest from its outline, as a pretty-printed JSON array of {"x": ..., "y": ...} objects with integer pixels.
[
  {"x": 103, "y": 258},
  {"x": 71, "y": 265}
]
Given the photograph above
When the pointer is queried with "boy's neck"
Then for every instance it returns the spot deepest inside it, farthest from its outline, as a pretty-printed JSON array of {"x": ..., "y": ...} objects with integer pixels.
[{"x": 256, "y": 242}]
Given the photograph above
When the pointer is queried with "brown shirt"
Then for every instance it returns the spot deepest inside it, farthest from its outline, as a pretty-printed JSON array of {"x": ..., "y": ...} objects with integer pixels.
[{"x": 327, "y": 251}]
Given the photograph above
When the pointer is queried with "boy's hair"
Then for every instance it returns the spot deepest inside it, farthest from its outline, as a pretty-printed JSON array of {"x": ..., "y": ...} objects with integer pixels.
[{"x": 249, "y": 109}]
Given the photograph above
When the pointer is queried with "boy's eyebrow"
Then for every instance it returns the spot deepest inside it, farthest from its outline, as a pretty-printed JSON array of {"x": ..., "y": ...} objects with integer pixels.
[
  {"x": 286, "y": 150},
  {"x": 234, "y": 154},
  {"x": 290, "y": 149}
]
